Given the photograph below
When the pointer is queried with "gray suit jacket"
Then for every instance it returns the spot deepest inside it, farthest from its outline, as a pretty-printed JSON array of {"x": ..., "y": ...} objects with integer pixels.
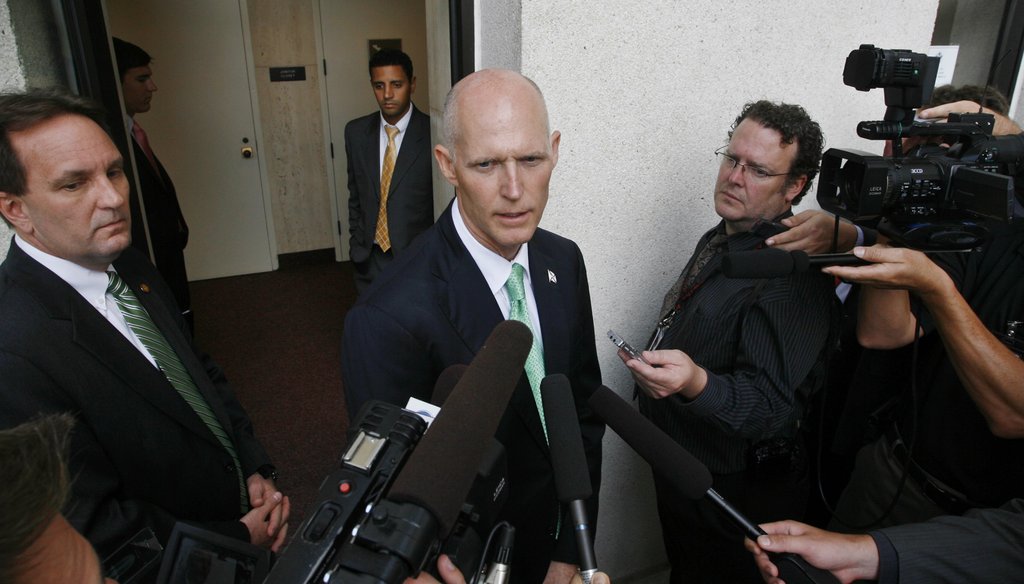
[
  {"x": 411, "y": 196},
  {"x": 985, "y": 545},
  {"x": 140, "y": 456}
]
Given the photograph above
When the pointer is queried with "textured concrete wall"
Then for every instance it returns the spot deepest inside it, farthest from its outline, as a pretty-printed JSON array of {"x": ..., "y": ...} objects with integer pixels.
[
  {"x": 643, "y": 95},
  {"x": 11, "y": 77}
]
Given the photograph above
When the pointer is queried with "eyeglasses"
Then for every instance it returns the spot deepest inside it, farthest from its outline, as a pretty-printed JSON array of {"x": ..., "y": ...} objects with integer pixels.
[{"x": 730, "y": 162}]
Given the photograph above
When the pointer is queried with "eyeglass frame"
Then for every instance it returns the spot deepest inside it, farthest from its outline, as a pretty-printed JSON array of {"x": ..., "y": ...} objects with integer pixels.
[{"x": 758, "y": 172}]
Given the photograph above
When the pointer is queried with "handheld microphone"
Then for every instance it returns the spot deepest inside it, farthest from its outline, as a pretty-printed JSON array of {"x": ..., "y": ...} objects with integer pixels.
[
  {"x": 690, "y": 477},
  {"x": 446, "y": 382},
  {"x": 402, "y": 532},
  {"x": 441, "y": 470},
  {"x": 774, "y": 263},
  {"x": 572, "y": 477}
]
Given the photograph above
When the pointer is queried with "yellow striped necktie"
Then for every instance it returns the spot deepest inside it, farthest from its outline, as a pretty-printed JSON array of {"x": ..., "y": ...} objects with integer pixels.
[{"x": 382, "y": 235}]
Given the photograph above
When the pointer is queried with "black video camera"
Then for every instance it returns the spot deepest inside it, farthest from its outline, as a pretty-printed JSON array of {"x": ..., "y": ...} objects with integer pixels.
[
  {"x": 354, "y": 534},
  {"x": 937, "y": 196}
]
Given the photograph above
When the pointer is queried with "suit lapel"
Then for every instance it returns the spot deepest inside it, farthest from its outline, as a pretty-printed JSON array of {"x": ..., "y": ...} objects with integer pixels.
[
  {"x": 416, "y": 133},
  {"x": 373, "y": 154},
  {"x": 468, "y": 305},
  {"x": 97, "y": 337}
]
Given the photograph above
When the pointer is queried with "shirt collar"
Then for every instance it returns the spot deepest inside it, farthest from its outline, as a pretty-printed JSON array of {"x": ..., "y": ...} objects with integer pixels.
[
  {"x": 495, "y": 268},
  {"x": 92, "y": 285},
  {"x": 402, "y": 124}
]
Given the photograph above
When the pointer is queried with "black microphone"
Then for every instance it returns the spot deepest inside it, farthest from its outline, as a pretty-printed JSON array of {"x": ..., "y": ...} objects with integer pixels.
[
  {"x": 446, "y": 382},
  {"x": 689, "y": 476},
  {"x": 572, "y": 477},
  {"x": 430, "y": 489},
  {"x": 774, "y": 263},
  {"x": 441, "y": 470}
]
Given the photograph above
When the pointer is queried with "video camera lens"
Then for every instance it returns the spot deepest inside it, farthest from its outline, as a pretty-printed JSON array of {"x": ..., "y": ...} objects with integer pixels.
[{"x": 869, "y": 67}]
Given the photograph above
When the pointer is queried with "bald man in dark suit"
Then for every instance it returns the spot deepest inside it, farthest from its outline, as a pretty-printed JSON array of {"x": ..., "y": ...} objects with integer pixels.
[{"x": 483, "y": 258}]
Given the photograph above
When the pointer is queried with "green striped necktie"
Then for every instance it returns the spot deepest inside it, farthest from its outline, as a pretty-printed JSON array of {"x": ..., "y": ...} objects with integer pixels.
[{"x": 170, "y": 364}]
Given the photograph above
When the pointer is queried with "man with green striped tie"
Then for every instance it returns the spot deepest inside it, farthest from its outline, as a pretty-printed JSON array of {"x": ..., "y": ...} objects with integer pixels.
[{"x": 90, "y": 328}]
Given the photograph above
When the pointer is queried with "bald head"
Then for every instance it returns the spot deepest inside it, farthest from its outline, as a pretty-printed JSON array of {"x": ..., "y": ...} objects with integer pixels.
[
  {"x": 488, "y": 92},
  {"x": 498, "y": 152}
]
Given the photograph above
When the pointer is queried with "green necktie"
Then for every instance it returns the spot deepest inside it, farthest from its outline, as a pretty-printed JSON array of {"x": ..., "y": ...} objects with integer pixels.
[
  {"x": 535, "y": 360},
  {"x": 170, "y": 364}
]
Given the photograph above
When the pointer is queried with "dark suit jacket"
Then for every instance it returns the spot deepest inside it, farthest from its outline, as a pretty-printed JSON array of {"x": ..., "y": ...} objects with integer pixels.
[
  {"x": 139, "y": 453},
  {"x": 411, "y": 196},
  {"x": 432, "y": 309},
  {"x": 167, "y": 227}
]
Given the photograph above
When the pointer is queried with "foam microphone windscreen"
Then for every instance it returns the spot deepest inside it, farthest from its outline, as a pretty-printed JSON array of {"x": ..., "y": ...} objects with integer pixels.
[
  {"x": 674, "y": 463},
  {"x": 763, "y": 263},
  {"x": 572, "y": 477},
  {"x": 446, "y": 382},
  {"x": 442, "y": 467}
]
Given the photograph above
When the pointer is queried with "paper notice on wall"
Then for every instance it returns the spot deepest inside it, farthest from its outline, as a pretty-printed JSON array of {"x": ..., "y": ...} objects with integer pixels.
[{"x": 947, "y": 62}]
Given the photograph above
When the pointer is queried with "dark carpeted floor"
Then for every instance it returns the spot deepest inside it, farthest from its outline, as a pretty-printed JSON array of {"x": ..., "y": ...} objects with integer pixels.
[{"x": 277, "y": 336}]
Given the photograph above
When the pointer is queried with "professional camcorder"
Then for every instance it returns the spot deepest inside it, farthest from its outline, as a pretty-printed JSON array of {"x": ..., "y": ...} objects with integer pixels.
[
  {"x": 354, "y": 532},
  {"x": 936, "y": 196}
]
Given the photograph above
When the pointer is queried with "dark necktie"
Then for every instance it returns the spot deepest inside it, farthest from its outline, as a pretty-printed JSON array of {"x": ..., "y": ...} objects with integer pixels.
[
  {"x": 688, "y": 278},
  {"x": 143, "y": 141}
]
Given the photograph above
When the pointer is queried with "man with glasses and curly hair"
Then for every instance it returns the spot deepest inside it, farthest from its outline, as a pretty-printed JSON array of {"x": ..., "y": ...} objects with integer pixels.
[{"x": 731, "y": 360}]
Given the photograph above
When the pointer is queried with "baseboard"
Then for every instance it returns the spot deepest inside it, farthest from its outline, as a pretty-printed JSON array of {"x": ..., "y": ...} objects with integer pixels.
[{"x": 312, "y": 257}]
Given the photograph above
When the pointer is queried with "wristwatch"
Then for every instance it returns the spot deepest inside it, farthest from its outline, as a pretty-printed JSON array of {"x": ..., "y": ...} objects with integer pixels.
[{"x": 268, "y": 471}]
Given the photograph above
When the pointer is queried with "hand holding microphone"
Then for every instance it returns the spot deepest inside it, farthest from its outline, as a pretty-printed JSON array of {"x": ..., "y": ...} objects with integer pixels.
[{"x": 688, "y": 476}]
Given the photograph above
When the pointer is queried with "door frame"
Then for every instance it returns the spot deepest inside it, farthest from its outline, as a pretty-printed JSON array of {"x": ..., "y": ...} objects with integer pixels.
[
  {"x": 93, "y": 73},
  {"x": 461, "y": 59}
]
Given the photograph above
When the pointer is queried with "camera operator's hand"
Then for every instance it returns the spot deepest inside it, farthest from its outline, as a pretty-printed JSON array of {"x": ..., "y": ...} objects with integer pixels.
[
  {"x": 988, "y": 369},
  {"x": 884, "y": 317},
  {"x": 848, "y": 557},
  {"x": 449, "y": 574},
  {"x": 1004, "y": 125},
  {"x": 263, "y": 531},
  {"x": 811, "y": 232},
  {"x": 667, "y": 372}
]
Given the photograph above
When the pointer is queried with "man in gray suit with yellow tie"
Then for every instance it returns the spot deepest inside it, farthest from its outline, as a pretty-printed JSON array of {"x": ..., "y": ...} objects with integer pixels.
[{"x": 391, "y": 195}]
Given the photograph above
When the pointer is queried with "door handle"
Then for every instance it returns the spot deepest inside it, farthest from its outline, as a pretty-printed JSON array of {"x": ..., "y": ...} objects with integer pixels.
[{"x": 247, "y": 152}]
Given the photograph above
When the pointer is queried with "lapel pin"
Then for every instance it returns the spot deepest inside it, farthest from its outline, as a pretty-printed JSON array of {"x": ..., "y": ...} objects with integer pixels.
[
  {"x": 144, "y": 288},
  {"x": 552, "y": 278}
]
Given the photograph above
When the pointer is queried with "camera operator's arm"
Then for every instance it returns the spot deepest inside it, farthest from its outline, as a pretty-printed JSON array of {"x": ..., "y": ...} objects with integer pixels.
[
  {"x": 989, "y": 371},
  {"x": 1004, "y": 125},
  {"x": 811, "y": 231}
]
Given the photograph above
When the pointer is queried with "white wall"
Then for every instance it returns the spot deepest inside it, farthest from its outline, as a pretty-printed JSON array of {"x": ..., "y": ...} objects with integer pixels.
[{"x": 643, "y": 94}]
